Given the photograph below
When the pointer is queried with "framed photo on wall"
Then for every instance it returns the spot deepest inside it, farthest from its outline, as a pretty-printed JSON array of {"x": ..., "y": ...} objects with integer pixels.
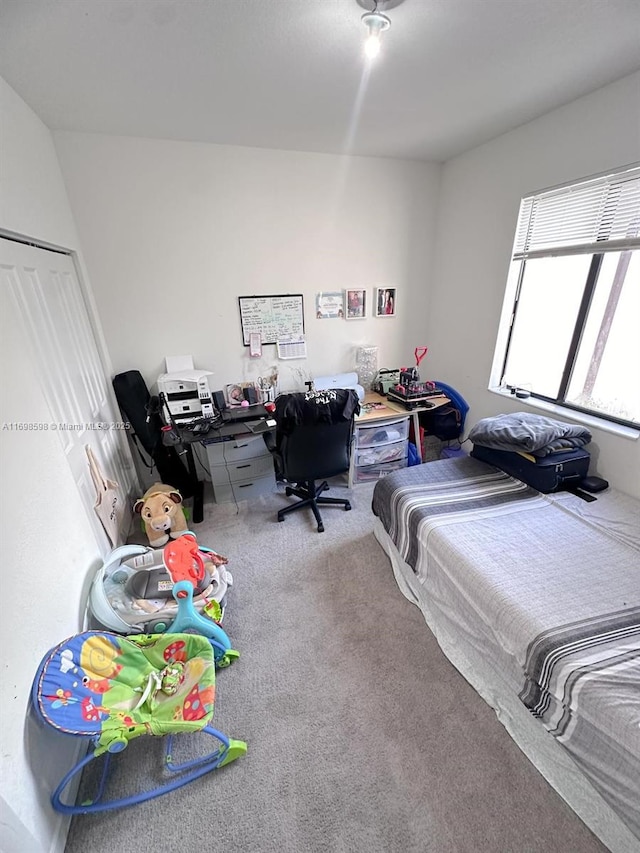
[
  {"x": 386, "y": 301},
  {"x": 330, "y": 305},
  {"x": 356, "y": 304}
]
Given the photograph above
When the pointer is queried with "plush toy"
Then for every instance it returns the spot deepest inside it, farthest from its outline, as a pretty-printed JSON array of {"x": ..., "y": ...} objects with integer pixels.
[{"x": 162, "y": 514}]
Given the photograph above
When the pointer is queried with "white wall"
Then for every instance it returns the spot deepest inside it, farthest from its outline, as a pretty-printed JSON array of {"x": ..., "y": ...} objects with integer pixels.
[
  {"x": 479, "y": 200},
  {"x": 48, "y": 546},
  {"x": 174, "y": 232}
]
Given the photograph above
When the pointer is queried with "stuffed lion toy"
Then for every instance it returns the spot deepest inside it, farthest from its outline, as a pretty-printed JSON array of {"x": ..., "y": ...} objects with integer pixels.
[{"x": 162, "y": 514}]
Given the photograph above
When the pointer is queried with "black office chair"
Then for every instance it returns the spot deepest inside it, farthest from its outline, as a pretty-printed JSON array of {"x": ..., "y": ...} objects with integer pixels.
[{"x": 314, "y": 432}]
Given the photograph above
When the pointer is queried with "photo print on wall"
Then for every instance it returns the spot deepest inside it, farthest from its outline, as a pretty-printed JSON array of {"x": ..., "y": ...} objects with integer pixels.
[
  {"x": 356, "y": 304},
  {"x": 386, "y": 301}
]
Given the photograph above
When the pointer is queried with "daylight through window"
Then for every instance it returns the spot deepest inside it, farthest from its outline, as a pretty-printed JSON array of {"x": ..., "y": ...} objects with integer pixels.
[{"x": 571, "y": 332}]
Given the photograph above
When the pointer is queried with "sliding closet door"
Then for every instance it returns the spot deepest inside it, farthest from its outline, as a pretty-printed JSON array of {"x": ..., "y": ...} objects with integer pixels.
[{"x": 44, "y": 289}]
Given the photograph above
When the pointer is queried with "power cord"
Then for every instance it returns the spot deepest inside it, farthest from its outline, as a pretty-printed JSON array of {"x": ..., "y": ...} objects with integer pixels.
[{"x": 200, "y": 463}]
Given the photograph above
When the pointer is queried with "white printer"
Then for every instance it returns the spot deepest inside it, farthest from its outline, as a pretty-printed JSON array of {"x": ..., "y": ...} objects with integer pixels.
[
  {"x": 188, "y": 394},
  {"x": 339, "y": 380}
]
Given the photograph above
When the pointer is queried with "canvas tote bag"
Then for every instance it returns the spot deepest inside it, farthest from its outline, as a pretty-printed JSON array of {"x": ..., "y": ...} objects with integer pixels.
[{"x": 108, "y": 506}]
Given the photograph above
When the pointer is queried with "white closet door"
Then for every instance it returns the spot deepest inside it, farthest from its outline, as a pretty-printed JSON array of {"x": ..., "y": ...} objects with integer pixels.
[{"x": 44, "y": 288}]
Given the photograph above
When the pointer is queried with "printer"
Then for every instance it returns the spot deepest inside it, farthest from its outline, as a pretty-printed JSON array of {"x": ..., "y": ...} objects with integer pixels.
[
  {"x": 339, "y": 380},
  {"x": 187, "y": 394}
]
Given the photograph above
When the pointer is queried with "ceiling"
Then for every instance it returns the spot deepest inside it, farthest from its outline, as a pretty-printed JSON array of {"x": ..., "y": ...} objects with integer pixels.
[{"x": 291, "y": 74}]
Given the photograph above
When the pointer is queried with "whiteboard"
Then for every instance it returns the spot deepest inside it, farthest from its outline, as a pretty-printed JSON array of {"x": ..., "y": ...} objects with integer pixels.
[{"x": 276, "y": 318}]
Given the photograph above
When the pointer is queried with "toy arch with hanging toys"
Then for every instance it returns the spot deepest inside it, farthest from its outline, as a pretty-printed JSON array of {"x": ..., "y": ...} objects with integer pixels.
[{"x": 112, "y": 689}]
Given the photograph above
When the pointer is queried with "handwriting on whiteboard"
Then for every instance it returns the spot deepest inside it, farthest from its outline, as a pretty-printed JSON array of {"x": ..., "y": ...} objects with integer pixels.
[{"x": 276, "y": 318}]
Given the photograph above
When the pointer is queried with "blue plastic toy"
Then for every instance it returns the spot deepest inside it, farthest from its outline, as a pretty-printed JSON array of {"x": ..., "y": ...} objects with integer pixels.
[{"x": 184, "y": 563}]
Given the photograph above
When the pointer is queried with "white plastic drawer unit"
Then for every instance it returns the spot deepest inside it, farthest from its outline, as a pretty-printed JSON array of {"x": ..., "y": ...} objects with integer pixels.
[
  {"x": 375, "y": 472},
  {"x": 381, "y": 433},
  {"x": 377, "y": 454}
]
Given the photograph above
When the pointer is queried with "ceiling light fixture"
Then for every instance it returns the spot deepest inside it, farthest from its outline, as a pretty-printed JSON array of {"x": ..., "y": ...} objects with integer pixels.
[{"x": 376, "y": 23}]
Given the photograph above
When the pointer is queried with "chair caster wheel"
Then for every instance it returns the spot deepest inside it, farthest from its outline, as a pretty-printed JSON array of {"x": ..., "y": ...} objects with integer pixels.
[
  {"x": 347, "y": 507},
  {"x": 321, "y": 528},
  {"x": 280, "y": 519},
  {"x": 288, "y": 492}
]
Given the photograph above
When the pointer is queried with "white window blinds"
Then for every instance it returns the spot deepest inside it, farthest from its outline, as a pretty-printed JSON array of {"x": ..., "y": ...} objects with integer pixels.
[{"x": 597, "y": 215}]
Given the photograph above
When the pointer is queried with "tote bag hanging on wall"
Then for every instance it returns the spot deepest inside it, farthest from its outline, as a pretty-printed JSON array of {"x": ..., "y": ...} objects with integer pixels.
[{"x": 108, "y": 506}]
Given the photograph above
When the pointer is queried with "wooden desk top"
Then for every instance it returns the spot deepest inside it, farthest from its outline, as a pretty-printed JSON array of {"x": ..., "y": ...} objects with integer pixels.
[{"x": 389, "y": 409}]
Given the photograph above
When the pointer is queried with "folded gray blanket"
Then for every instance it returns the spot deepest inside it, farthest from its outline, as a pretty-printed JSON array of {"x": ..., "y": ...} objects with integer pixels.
[{"x": 528, "y": 433}]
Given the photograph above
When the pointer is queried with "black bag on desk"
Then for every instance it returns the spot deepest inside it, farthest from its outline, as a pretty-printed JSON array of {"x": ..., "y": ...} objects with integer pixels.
[{"x": 553, "y": 473}]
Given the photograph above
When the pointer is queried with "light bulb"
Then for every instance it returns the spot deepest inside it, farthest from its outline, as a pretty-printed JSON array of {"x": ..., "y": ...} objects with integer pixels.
[
  {"x": 372, "y": 46},
  {"x": 376, "y": 23}
]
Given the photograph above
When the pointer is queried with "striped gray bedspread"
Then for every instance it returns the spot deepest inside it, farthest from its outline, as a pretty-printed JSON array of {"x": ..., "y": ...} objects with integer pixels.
[{"x": 547, "y": 587}]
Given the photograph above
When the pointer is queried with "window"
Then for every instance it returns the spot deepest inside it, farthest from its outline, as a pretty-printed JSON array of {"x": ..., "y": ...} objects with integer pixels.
[{"x": 570, "y": 330}]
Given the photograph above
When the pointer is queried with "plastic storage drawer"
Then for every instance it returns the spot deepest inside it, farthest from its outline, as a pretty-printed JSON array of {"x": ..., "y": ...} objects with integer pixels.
[
  {"x": 381, "y": 433},
  {"x": 376, "y": 472},
  {"x": 378, "y": 454}
]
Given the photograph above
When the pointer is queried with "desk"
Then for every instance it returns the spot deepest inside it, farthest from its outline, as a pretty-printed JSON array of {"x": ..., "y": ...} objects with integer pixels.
[
  {"x": 374, "y": 456},
  {"x": 240, "y": 464}
]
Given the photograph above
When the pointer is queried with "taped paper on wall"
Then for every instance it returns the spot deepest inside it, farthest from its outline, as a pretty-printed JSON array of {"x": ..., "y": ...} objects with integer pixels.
[{"x": 292, "y": 349}]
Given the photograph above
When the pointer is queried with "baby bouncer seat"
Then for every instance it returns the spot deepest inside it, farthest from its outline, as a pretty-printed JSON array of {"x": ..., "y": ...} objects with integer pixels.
[
  {"x": 132, "y": 591},
  {"x": 111, "y": 689},
  {"x": 183, "y": 576}
]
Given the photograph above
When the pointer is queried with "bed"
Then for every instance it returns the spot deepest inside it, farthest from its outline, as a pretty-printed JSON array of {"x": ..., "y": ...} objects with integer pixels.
[{"x": 536, "y": 599}]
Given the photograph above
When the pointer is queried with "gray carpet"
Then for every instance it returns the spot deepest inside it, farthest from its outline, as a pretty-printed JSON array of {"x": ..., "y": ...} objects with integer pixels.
[{"x": 362, "y": 736}]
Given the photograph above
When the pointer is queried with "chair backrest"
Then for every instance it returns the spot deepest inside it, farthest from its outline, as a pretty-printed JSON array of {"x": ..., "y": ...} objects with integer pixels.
[{"x": 314, "y": 433}]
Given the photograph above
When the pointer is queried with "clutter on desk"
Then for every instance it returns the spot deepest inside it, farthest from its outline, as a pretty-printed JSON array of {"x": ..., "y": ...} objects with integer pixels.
[
  {"x": 262, "y": 390},
  {"x": 372, "y": 407},
  {"x": 267, "y": 386},
  {"x": 385, "y": 379},
  {"x": 245, "y": 394},
  {"x": 410, "y": 391},
  {"x": 202, "y": 428}
]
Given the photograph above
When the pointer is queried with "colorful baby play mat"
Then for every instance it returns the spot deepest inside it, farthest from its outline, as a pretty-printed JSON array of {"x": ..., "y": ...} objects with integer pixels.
[{"x": 115, "y": 688}]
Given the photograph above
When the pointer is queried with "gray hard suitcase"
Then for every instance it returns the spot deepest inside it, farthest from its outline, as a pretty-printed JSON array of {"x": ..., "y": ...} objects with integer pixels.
[{"x": 553, "y": 473}]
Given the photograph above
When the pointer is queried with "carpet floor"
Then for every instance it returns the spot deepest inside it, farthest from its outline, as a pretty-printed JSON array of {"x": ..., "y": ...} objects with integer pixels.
[{"x": 362, "y": 737}]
